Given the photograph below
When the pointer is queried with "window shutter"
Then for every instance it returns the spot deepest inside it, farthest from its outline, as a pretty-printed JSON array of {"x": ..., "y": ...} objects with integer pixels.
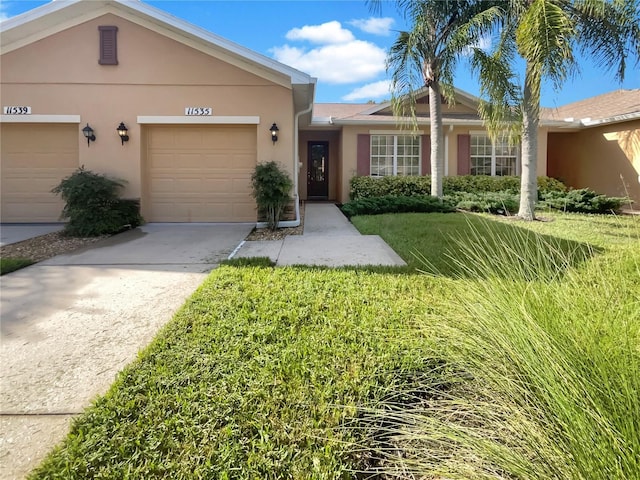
[
  {"x": 108, "y": 45},
  {"x": 426, "y": 155},
  {"x": 464, "y": 154},
  {"x": 363, "y": 155}
]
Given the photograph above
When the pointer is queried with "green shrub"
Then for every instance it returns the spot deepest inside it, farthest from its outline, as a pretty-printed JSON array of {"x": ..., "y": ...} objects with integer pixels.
[
  {"x": 368, "y": 187},
  {"x": 502, "y": 203},
  {"x": 481, "y": 184},
  {"x": 93, "y": 207},
  {"x": 549, "y": 184},
  {"x": 271, "y": 187},
  {"x": 583, "y": 200},
  {"x": 393, "y": 204}
]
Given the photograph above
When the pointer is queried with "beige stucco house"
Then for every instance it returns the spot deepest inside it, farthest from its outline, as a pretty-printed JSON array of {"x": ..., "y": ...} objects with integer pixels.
[{"x": 199, "y": 109}]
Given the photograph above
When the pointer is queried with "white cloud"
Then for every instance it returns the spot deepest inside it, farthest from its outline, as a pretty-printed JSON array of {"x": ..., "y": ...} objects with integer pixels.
[
  {"x": 327, "y": 33},
  {"x": 374, "y": 25},
  {"x": 370, "y": 91},
  {"x": 351, "y": 62},
  {"x": 484, "y": 43}
]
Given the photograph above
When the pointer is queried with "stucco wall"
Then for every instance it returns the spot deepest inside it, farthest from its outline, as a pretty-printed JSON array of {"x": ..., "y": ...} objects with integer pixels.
[
  {"x": 156, "y": 76},
  {"x": 605, "y": 159}
]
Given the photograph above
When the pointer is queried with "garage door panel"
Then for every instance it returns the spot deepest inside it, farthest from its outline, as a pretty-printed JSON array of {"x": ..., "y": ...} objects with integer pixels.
[
  {"x": 200, "y": 174},
  {"x": 35, "y": 158}
]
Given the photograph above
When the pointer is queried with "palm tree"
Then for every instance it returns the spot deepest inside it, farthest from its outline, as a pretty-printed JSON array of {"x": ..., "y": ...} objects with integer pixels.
[
  {"x": 426, "y": 56},
  {"x": 545, "y": 33}
]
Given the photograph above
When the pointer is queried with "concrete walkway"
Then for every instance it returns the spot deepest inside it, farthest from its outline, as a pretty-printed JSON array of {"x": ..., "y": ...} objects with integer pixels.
[{"x": 328, "y": 239}]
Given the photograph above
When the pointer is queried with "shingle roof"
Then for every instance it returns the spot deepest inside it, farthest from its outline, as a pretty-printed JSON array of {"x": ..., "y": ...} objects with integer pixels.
[{"x": 602, "y": 107}]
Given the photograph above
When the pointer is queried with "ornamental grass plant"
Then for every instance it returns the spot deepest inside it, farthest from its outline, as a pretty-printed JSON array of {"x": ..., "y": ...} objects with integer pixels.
[{"x": 549, "y": 350}]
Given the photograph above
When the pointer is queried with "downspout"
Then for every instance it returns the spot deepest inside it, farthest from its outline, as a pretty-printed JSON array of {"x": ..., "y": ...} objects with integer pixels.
[{"x": 296, "y": 156}]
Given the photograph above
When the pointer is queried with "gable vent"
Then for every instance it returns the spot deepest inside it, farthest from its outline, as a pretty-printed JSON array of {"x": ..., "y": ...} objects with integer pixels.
[{"x": 108, "y": 45}]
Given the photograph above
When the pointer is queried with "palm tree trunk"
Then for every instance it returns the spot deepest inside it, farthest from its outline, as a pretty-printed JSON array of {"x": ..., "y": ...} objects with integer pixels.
[
  {"x": 529, "y": 173},
  {"x": 437, "y": 140}
]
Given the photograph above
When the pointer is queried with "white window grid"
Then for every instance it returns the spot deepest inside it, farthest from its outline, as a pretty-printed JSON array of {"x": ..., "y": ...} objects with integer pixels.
[
  {"x": 495, "y": 160},
  {"x": 395, "y": 155}
]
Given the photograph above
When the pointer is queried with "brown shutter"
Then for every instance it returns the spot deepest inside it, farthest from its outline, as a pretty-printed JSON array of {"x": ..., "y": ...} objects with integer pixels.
[
  {"x": 464, "y": 154},
  {"x": 108, "y": 45},
  {"x": 426, "y": 155},
  {"x": 363, "y": 155}
]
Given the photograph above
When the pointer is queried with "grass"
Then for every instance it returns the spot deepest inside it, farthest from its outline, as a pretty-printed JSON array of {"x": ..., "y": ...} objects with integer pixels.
[
  {"x": 553, "y": 363},
  {"x": 520, "y": 360},
  {"x": 8, "y": 265},
  {"x": 252, "y": 380}
]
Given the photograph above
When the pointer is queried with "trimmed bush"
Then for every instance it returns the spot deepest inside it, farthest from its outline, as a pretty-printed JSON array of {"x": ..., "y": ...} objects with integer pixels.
[
  {"x": 582, "y": 200},
  {"x": 501, "y": 203},
  {"x": 481, "y": 184},
  {"x": 93, "y": 207},
  {"x": 368, "y": 187},
  {"x": 393, "y": 204},
  {"x": 271, "y": 187}
]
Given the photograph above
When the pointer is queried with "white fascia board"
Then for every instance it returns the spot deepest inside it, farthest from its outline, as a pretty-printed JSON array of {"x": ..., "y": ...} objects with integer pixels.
[
  {"x": 322, "y": 121},
  {"x": 195, "y": 120},
  {"x": 615, "y": 119},
  {"x": 396, "y": 132},
  {"x": 39, "y": 118},
  {"x": 35, "y": 14}
]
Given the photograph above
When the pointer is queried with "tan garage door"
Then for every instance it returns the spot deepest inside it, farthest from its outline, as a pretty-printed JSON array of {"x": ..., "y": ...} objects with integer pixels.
[
  {"x": 33, "y": 160},
  {"x": 200, "y": 173}
]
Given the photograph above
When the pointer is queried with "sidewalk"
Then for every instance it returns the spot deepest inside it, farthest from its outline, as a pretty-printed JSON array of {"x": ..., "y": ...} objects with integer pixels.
[{"x": 329, "y": 239}]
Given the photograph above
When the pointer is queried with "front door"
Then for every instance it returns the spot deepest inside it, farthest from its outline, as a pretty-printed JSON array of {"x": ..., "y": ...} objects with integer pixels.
[{"x": 318, "y": 170}]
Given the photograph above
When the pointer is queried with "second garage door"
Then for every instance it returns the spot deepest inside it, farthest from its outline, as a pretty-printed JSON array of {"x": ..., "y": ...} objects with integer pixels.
[
  {"x": 33, "y": 160},
  {"x": 200, "y": 173}
]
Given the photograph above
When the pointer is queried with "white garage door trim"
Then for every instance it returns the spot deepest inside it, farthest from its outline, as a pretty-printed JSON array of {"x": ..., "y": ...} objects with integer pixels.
[
  {"x": 194, "y": 120},
  {"x": 39, "y": 118}
]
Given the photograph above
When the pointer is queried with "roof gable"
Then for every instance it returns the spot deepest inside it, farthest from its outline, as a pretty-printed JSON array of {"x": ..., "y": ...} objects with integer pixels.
[{"x": 60, "y": 15}]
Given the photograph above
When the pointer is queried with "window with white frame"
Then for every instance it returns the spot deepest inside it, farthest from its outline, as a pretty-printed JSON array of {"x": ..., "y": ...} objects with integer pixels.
[
  {"x": 395, "y": 155},
  {"x": 496, "y": 159}
]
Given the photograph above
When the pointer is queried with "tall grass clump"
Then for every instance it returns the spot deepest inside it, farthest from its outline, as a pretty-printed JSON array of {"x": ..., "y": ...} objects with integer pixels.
[{"x": 548, "y": 343}]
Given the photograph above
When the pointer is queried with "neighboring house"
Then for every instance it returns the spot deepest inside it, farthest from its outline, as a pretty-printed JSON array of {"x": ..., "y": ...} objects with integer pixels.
[
  {"x": 199, "y": 110},
  {"x": 600, "y": 146}
]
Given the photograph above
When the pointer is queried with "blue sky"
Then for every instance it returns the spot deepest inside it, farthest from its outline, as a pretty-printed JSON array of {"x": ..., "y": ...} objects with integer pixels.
[{"x": 339, "y": 41}]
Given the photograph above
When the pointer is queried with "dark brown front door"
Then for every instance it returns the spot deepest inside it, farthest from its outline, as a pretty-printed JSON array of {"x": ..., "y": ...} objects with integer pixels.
[{"x": 318, "y": 170}]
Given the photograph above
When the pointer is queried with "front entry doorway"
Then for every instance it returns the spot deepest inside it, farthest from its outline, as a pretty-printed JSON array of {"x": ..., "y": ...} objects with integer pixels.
[{"x": 318, "y": 171}]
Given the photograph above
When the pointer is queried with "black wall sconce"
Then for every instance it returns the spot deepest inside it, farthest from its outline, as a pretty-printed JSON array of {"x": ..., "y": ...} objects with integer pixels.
[
  {"x": 88, "y": 134},
  {"x": 122, "y": 131},
  {"x": 274, "y": 133}
]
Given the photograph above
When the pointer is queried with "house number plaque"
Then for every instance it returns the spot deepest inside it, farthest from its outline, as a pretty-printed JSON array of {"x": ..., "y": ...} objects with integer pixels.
[
  {"x": 16, "y": 110},
  {"x": 198, "y": 111}
]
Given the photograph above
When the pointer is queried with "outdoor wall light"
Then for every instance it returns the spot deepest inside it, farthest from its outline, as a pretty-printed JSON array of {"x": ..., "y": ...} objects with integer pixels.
[
  {"x": 122, "y": 131},
  {"x": 88, "y": 134},
  {"x": 274, "y": 133}
]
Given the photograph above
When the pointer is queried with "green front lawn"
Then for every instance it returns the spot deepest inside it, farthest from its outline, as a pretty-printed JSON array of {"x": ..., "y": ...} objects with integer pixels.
[{"x": 309, "y": 373}]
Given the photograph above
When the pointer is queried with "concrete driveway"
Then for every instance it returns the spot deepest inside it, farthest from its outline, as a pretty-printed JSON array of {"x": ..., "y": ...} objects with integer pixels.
[{"x": 69, "y": 324}]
